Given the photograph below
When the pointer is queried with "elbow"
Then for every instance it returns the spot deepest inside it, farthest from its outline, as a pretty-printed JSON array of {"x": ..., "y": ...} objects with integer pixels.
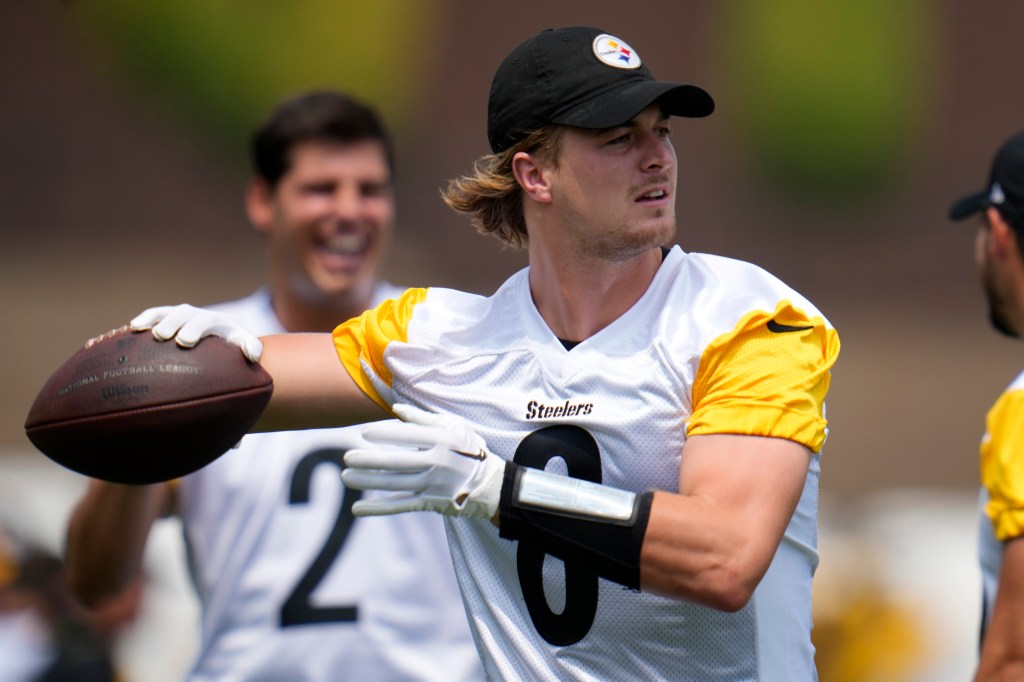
[
  {"x": 722, "y": 574},
  {"x": 93, "y": 588},
  {"x": 732, "y": 600},
  {"x": 733, "y": 577},
  {"x": 729, "y": 590},
  {"x": 721, "y": 587},
  {"x": 728, "y": 583},
  {"x": 92, "y": 596},
  {"x": 88, "y": 593}
]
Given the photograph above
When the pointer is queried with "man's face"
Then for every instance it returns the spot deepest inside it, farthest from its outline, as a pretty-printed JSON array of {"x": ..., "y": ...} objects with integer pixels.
[
  {"x": 616, "y": 187},
  {"x": 328, "y": 221},
  {"x": 1000, "y": 305}
]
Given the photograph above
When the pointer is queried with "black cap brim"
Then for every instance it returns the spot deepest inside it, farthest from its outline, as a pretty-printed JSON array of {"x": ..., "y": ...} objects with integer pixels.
[
  {"x": 968, "y": 206},
  {"x": 620, "y": 105}
]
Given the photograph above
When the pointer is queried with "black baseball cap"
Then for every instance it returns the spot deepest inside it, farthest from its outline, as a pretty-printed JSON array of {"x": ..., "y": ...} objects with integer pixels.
[
  {"x": 582, "y": 77},
  {"x": 1005, "y": 188}
]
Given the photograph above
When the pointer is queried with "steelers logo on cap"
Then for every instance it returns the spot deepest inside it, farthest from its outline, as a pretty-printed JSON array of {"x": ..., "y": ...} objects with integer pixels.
[{"x": 615, "y": 52}]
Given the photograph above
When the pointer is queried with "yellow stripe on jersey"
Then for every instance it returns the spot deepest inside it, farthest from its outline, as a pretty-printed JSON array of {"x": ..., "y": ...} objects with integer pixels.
[
  {"x": 364, "y": 339},
  {"x": 1002, "y": 465},
  {"x": 767, "y": 377}
]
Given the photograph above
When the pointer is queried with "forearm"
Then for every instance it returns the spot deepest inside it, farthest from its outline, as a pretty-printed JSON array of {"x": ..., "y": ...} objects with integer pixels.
[
  {"x": 1002, "y": 651},
  {"x": 694, "y": 551},
  {"x": 659, "y": 542},
  {"x": 106, "y": 537},
  {"x": 713, "y": 541},
  {"x": 311, "y": 387}
]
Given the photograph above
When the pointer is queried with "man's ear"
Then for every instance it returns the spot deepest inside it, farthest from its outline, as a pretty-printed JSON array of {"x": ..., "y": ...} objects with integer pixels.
[
  {"x": 532, "y": 175},
  {"x": 1002, "y": 237},
  {"x": 259, "y": 204}
]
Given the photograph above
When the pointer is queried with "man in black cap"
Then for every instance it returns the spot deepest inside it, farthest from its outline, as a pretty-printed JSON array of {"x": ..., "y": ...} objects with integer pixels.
[
  {"x": 625, "y": 438},
  {"x": 999, "y": 252}
]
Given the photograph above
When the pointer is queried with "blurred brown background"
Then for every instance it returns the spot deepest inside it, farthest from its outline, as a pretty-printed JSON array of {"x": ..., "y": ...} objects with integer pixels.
[{"x": 842, "y": 133}]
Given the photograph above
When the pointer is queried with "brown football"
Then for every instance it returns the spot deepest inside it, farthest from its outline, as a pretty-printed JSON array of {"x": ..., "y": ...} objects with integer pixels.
[{"x": 127, "y": 408}]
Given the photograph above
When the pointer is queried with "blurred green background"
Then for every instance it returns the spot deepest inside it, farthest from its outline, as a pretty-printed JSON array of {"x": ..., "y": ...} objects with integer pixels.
[
  {"x": 842, "y": 133},
  {"x": 224, "y": 64}
]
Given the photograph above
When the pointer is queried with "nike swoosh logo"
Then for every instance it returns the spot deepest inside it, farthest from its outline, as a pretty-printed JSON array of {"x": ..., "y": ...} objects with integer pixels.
[{"x": 780, "y": 328}]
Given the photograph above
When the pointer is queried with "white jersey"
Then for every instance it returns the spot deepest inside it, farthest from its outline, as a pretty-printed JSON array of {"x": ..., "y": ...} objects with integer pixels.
[
  {"x": 293, "y": 587},
  {"x": 713, "y": 346}
]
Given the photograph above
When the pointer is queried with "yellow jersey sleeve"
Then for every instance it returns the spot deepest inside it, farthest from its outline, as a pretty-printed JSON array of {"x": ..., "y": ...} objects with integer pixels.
[
  {"x": 1002, "y": 464},
  {"x": 768, "y": 376},
  {"x": 362, "y": 341}
]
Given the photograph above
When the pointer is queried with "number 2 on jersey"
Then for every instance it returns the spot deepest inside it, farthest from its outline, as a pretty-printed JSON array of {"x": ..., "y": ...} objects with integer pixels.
[{"x": 297, "y": 608}]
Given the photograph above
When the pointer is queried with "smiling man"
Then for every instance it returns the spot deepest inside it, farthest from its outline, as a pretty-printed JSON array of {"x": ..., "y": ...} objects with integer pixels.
[
  {"x": 663, "y": 525},
  {"x": 322, "y": 195},
  {"x": 292, "y": 586}
]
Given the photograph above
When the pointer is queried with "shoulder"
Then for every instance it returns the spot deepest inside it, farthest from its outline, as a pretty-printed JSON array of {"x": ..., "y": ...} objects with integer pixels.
[
  {"x": 454, "y": 308},
  {"x": 386, "y": 290},
  {"x": 723, "y": 291},
  {"x": 415, "y": 313},
  {"x": 1017, "y": 384},
  {"x": 254, "y": 312},
  {"x": 440, "y": 321},
  {"x": 735, "y": 278},
  {"x": 1008, "y": 410},
  {"x": 1009, "y": 407},
  {"x": 256, "y": 300}
]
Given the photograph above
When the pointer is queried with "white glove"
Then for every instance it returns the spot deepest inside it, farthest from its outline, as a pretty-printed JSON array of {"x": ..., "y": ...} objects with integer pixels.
[
  {"x": 439, "y": 460},
  {"x": 187, "y": 325}
]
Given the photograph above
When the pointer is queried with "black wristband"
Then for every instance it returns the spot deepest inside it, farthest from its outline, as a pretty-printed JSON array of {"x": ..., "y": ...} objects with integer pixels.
[{"x": 610, "y": 549}]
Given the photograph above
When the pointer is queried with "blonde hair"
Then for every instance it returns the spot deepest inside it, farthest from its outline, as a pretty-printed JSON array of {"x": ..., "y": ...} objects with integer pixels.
[{"x": 492, "y": 197}]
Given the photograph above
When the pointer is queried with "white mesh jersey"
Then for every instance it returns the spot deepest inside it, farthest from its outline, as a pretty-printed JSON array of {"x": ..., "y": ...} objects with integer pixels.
[
  {"x": 1002, "y": 492},
  {"x": 713, "y": 346},
  {"x": 293, "y": 587}
]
